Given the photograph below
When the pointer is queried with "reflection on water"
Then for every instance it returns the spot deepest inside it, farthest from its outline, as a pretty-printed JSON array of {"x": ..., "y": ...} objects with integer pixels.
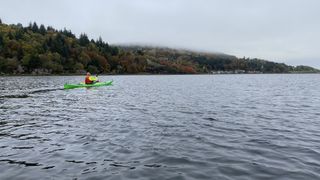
[{"x": 161, "y": 127}]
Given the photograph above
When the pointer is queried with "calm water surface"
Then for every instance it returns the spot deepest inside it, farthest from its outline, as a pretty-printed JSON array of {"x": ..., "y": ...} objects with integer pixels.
[{"x": 161, "y": 127}]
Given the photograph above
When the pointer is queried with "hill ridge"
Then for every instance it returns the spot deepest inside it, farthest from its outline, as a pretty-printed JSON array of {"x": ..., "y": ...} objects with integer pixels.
[{"x": 40, "y": 50}]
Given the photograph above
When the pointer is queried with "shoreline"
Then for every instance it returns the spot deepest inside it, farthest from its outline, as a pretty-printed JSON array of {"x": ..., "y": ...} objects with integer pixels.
[{"x": 151, "y": 74}]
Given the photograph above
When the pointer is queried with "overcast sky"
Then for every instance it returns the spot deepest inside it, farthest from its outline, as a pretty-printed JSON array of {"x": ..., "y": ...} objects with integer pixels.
[{"x": 278, "y": 30}]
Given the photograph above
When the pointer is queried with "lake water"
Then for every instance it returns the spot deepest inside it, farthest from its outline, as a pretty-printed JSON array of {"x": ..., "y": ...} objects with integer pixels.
[{"x": 161, "y": 127}]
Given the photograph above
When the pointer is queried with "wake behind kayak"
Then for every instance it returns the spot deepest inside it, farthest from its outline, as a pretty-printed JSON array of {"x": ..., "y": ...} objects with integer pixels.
[{"x": 81, "y": 85}]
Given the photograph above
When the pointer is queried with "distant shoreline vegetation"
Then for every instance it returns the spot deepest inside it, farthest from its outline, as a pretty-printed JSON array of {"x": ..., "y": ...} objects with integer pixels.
[{"x": 40, "y": 50}]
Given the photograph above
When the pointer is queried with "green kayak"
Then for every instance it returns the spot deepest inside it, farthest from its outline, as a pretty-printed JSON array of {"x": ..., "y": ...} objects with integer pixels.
[{"x": 80, "y": 85}]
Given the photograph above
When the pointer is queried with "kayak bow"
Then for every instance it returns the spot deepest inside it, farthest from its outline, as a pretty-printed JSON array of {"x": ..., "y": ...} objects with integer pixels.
[{"x": 81, "y": 85}]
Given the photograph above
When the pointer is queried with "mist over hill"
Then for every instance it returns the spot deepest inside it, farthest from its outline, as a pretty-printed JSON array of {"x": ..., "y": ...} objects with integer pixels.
[{"x": 37, "y": 49}]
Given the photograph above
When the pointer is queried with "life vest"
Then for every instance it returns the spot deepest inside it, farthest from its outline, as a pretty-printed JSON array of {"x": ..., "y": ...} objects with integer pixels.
[{"x": 90, "y": 79}]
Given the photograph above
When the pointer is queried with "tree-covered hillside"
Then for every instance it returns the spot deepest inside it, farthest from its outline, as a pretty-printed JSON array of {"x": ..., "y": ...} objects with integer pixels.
[{"x": 37, "y": 49}]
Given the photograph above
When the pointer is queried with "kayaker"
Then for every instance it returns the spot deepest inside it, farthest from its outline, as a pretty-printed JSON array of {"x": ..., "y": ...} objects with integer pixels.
[{"x": 90, "y": 79}]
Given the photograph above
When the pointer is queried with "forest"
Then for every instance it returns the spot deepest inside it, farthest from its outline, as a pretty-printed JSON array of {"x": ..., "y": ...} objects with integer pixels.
[{"x": 43, "y": 50}]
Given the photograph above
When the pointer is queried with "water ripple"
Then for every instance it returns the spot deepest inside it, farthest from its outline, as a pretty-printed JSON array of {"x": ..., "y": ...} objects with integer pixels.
[{"x": 161, "y": 127}]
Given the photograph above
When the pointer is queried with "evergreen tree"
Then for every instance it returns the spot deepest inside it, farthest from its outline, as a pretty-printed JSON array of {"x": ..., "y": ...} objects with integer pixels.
[
  {"x": 20, "y": 26},
  {"x": 58, "y": 44},
  {"x": 1, "y": 41},
  {"x": 32, "y": 62},
  {"x": 42, "y": 29},
  {"x": 20, "y": 53},
  {"x": 84, "y": 40},
  {"x": 30, "y": 26},
  {"x": 115, "y": 51},
  {"x": 10, "y": 36},
  {"x": 50, "y": 28},
  {"x": 100, "y": 42},
  {"x": 35, "y": 27},
  {"x": 0, "y": 21},
  {"x": 1, "y": 45},
  {"x": 67, "y": 33},
  {"x": 19, "y": 34}
]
